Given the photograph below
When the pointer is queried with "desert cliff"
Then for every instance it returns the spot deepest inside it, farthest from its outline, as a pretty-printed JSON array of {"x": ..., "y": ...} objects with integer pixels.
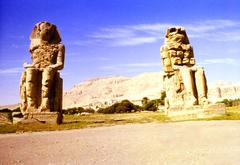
[{"x": 102, "y": 92}]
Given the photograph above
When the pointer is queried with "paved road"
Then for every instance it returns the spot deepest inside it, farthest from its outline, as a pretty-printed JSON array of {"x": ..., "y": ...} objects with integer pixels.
[{"x": 180, "y": 143}]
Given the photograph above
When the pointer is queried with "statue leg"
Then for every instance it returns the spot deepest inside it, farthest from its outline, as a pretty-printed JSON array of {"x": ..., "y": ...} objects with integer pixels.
[
  {"x": 173, "y": 91},
  {"x": 47, "y": 81},
  {"x": 58, "y": 85},
  {"x": 32, "y": 89},
  {"x": 201, "y": 85},
  {"x": 189, "y": 86},
  {"x": 23, "y": 97}
]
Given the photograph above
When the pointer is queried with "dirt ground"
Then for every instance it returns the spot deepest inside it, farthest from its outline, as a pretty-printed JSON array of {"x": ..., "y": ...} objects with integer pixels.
[{"x": 183, "y": 143}]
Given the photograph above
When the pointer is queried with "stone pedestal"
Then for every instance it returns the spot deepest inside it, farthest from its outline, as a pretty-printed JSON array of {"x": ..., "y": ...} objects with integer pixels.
[
  {"x": 196, "y": 112},
  {"x": 45, "y": 117}
]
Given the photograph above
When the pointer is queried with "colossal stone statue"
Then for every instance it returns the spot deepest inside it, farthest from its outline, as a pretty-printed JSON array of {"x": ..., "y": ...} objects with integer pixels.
[
  {"x": 41, "y": 85},
  {"x": 184, "y": 82}
]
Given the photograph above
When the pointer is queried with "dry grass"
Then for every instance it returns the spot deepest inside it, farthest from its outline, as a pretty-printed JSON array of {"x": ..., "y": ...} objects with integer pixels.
[
  {"x": 93, "y": 120},
  {"x": 232, "y": 113},
  {"x": 96, "y": 120}
]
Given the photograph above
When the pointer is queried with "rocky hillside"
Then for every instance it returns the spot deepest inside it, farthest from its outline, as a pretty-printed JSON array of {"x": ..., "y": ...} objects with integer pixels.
[
  {"x": 223, "y": 90},
  {"x": 106, "y": 91}
]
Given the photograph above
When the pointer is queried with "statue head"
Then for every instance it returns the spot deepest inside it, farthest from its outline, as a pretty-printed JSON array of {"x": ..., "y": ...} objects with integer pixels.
[
  {"x": 176, "y": 51},
  {"x": 177, "y": 34},
  {"x": 45, "y": 31}
]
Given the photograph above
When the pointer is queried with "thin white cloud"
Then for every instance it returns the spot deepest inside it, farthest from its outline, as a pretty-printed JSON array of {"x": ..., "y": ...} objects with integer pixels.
[
  {"x": 150, "y": 64},
  {"x": 149, "y": 28},
  {"x": 129, "y": 35},
  {"x": 215, "y": 30},
  {"x": 229, "y": 61},
  {"x": 131, "y": 66},
  {"x": 228, "y": 36},
  {"x": 11, "y": 71},
  {"x": 89, "y": 59},
  {"x": 81, "y": 42},
  {"x": 134, "y": 41},
  {"x": 234, "y": 51},
  {"x": 112, "y": 33},
  {"x": 211, "y": 25}
]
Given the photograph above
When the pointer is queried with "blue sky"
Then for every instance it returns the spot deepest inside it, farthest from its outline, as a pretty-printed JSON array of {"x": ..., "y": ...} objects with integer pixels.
[{"x": 119, "y": 37}]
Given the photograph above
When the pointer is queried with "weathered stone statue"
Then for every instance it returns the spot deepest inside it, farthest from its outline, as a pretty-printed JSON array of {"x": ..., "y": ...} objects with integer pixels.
[
  {"x": 41, "y": 85},
  {"x": 184, "y": 82}
]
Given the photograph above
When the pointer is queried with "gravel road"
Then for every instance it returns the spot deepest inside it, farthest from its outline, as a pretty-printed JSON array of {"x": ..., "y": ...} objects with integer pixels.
[{"x": 179, "y": 143}]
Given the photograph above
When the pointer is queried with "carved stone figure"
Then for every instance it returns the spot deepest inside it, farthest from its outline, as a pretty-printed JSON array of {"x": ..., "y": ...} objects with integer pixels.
[
  {"x": 184, "y": 82},
  {"x": 41, "y": 85}
]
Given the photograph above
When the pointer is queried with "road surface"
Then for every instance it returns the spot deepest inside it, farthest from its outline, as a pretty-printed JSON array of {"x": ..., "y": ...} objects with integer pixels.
[{"x": 183, "y": 143}]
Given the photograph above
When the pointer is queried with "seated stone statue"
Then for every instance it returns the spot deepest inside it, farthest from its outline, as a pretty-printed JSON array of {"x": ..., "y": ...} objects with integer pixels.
[
  {"x": 41, "y": 85},
  {"x": 184, "y": 82}
]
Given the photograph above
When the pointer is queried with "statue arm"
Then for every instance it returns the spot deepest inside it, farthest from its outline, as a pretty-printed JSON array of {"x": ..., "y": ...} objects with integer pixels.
[
  {"x": 27, "y": 65},
  {"x": 60, "y": 58},
  {"x": 33, "y": 46}
]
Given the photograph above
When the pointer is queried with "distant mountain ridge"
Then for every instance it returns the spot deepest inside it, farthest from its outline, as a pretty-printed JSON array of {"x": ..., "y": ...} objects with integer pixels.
[{"x": 106, "y": 91}]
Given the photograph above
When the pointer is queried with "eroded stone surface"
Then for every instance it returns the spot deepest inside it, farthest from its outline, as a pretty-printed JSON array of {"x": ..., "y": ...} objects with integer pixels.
[
  {"x": 41, "y": 85},
  {"x": 184, "y": 81}
]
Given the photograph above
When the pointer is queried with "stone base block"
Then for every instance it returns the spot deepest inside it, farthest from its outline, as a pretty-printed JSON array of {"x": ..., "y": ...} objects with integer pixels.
[
  {"x": 196, "y": 112},
  {"x": 45, "y": 117}
]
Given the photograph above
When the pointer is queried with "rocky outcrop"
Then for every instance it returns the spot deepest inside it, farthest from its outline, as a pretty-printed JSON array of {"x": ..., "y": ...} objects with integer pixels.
[
  {"x": 224, "y": 90},
  {"x": 106, "y": 91},
  {"x": 5, "y": 116}
]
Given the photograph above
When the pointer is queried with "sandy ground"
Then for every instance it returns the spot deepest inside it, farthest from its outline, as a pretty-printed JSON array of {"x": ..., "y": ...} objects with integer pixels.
[{"x": 183, "y": 143}]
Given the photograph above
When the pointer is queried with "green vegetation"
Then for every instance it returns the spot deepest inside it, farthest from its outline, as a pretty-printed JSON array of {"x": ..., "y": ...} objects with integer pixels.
[
  {"x": 118, "y": 113},
  {"x": 126, "y": 106},
  {"x": 232, "y": 110},
  {"x": 230, "y": 102},
  {"x": 93, "y": 120},
  {"x": 152, "y": 105},
  {"x": 123, "y": 107},
  {"x": 77, "y": 110},
  {"x": 97, "y": 119}
]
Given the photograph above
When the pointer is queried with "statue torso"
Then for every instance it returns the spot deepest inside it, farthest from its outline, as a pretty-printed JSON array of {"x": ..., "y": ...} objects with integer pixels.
[{"x": 45, "y": 55}]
